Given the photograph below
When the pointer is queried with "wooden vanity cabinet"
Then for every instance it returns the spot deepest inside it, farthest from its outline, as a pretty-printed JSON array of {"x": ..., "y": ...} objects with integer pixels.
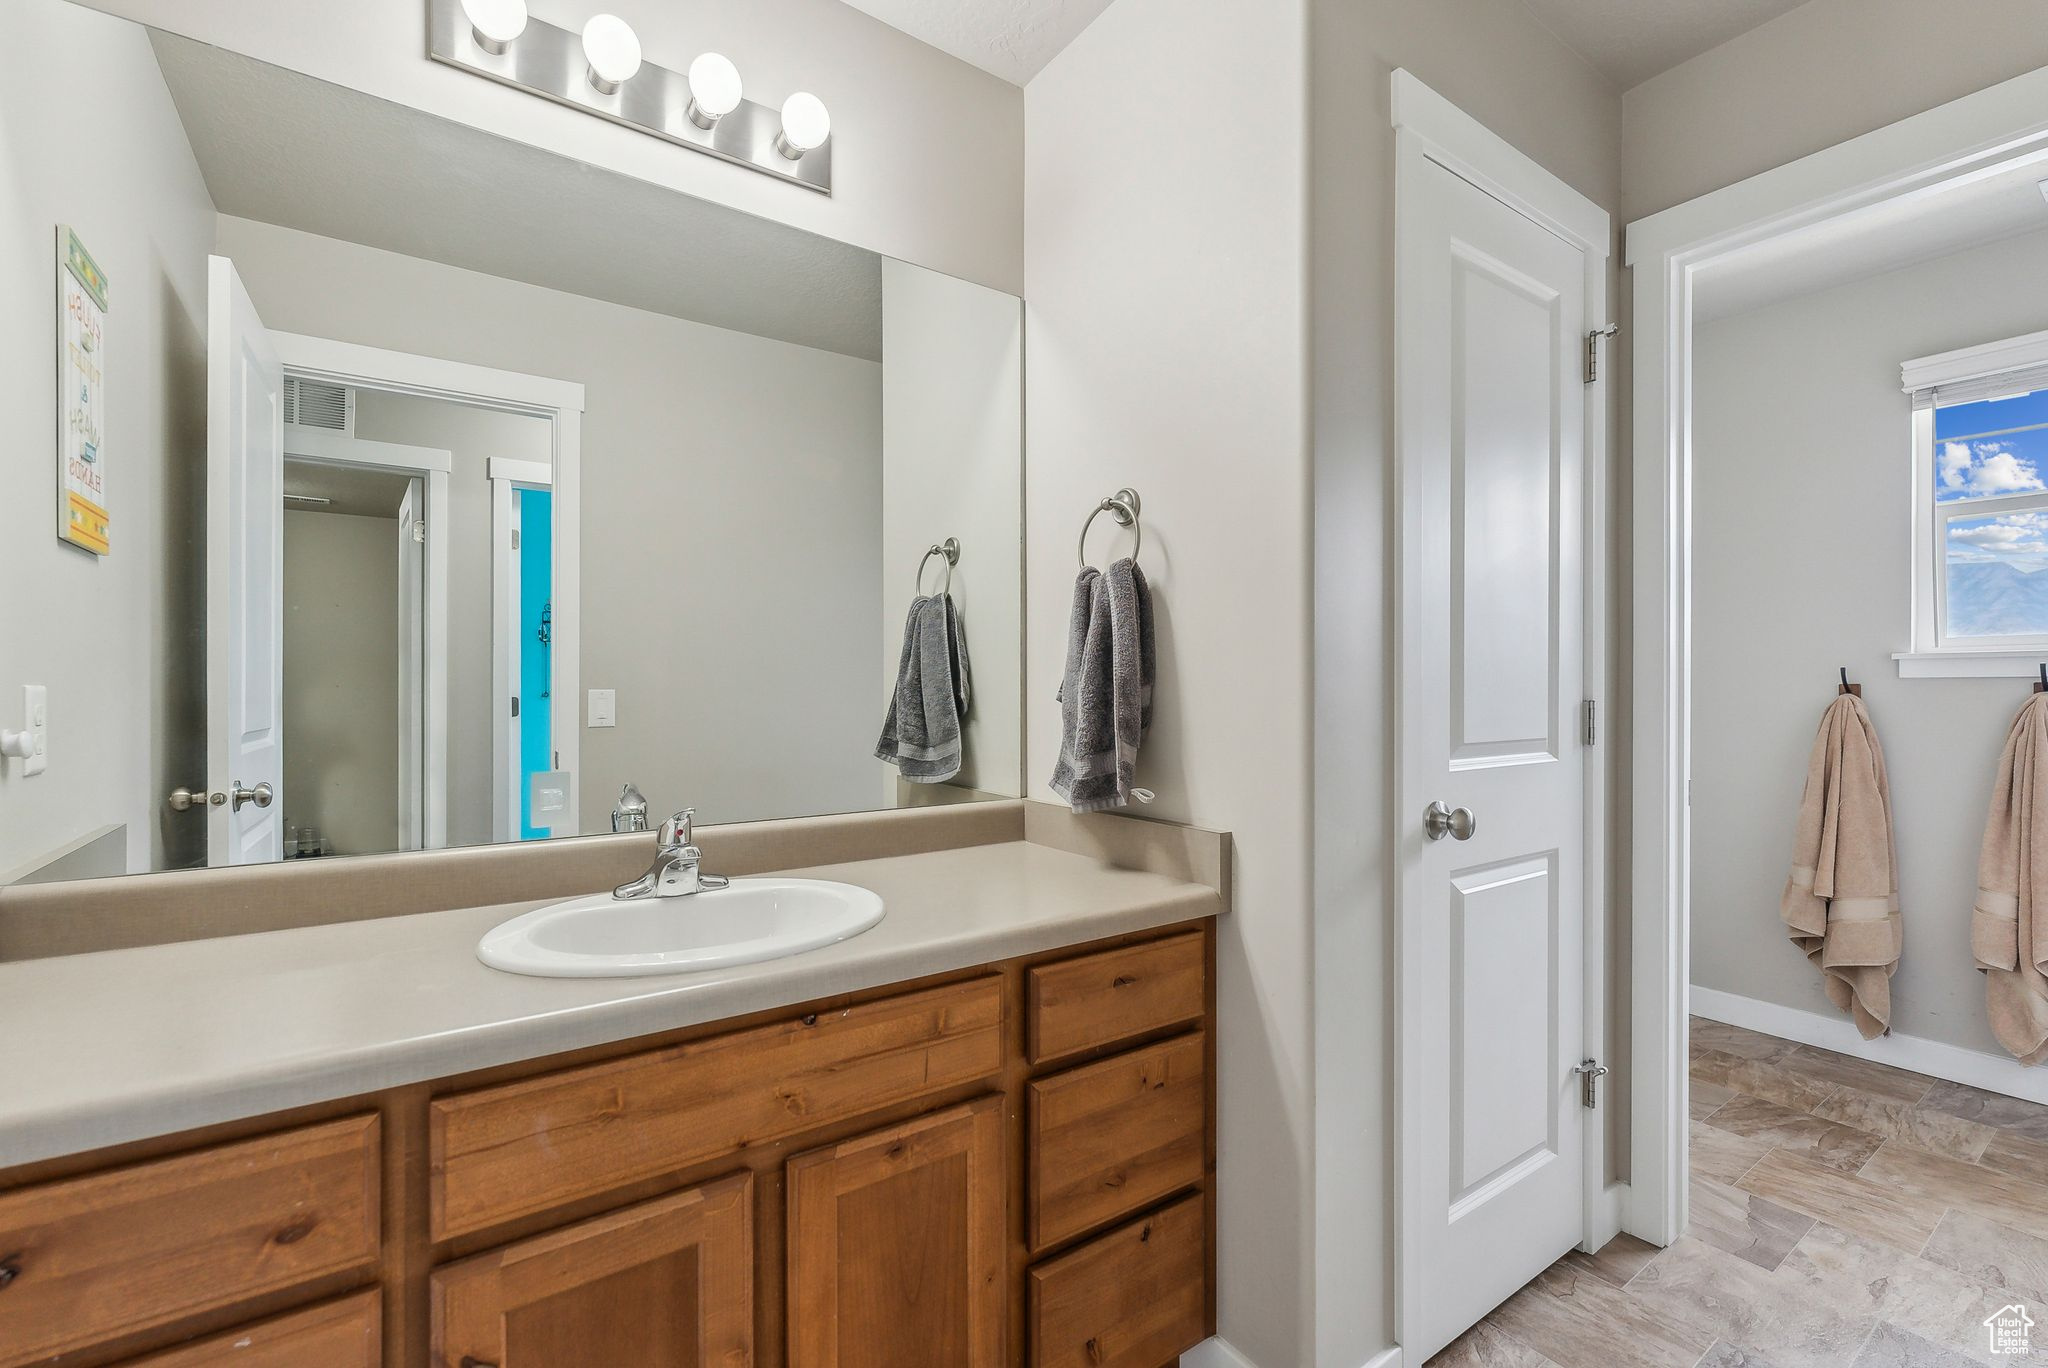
[{"x": 1010, "y": 1166}]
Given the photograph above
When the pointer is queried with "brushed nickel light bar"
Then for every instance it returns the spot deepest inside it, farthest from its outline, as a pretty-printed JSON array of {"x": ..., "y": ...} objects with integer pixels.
[{"x": 600, "y": 71}]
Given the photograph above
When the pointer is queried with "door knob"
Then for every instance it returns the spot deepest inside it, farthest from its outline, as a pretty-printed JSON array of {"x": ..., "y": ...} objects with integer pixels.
[
  {"x": 184, "y": 799},
  {"x": 261, "y": 795},
  {"x": 1439, "y": 821}
]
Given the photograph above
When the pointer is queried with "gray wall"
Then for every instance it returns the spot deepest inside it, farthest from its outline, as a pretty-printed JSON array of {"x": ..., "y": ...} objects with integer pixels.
[
  {"x": 471, "y": 436},
  {"x": 1815, "y": 76},
  {"x": 1802, "y": 563},
  {"x": 953, "y": 466},
  {"x": 341, "y": 678},
  {"x": 116, "y": 639},
  {"x": 732, "y": 504}
]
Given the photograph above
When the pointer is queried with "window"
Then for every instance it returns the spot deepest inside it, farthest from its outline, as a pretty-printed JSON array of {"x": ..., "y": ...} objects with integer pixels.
[{"x": 1980, "y": 509}]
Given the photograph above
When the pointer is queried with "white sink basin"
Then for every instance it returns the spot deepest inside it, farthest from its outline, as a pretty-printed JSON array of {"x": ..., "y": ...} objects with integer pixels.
[{"x": 604, "y": 937}]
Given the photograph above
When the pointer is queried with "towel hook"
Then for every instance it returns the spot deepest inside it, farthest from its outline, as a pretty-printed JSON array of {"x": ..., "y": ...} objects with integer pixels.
[
  {"x": 1847, "y": 687},
  {"x": 949, "y": 549},
  {"x": 1123, "y": 507},
  {"x": 2041, "y": 684}
]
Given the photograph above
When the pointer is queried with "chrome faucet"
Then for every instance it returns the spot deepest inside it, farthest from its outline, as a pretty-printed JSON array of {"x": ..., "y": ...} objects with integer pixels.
[{"x": 678, "y": 866}]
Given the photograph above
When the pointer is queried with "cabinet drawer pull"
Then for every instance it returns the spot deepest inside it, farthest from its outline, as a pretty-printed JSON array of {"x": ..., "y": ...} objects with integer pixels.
[
  {"x": 10, "y": 1269},
  {"x": 471, "y": 1361}
]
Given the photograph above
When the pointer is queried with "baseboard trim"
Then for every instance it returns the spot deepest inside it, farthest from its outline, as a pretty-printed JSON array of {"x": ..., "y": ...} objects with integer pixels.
[
  {"x": 1214, "y": 1353},
  {"x": 1994, "y": 1073}
]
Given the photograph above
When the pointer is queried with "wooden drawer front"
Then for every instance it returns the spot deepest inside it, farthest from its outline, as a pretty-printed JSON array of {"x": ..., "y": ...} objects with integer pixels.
[
  {"x": 1134, "y": 1298},
  {"x": 538, "y": 1143},
  {"x": 111, "y": 1253},
  {"x": 340, "y": 1334},
  {"x": 667, "y": 1282},
  {"x": 1080, "y": 1004},
  {"x": 896, "y": 1254},
  {"x": 1116, "y": 1136}
]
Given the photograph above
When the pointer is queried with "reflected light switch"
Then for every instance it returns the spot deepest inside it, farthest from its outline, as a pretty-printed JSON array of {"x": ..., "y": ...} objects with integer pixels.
[
  {"x": 604, "y": 708},
  {"x": 550, "y": 803}
]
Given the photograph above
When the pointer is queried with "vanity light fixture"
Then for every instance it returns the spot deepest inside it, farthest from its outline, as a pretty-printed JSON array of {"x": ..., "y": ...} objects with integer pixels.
[
  {"x": 599, "y": 69},
  {"x": 495, "y": 23},
  {"x": 806, "y": 124},
  {"x": 714, "y": 90},
  {"x": 613, "y": 51}
]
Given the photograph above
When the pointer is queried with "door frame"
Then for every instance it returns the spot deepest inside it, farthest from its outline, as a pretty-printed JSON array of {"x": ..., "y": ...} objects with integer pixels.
[
  {"x": 430, "y": 466},
  {"x": 1430, "y": 129},
  {"x": 1965, "y": 140},
  {"x": 507, "y": 475},
  {"x": 560, "y": 402}
]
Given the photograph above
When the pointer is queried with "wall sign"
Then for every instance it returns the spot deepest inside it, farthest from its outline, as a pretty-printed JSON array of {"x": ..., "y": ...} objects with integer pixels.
[{"x": 81, "y": 396}]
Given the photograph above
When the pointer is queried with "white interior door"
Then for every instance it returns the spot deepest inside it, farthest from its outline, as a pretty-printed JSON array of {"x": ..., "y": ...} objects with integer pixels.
[
  {"x": 1491, "y": 638},
  {"x": 412, "y": 666},
  {"x": 244, "y": 577}
]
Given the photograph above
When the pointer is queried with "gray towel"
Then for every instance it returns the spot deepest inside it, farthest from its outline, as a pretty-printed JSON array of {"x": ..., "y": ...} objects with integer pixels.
[
  {"x": 1106, "y": 696},
  {"x": 921, "y": 735}
]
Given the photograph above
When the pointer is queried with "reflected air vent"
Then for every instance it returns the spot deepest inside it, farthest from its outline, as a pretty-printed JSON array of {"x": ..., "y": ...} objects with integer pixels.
[{"x": 316, "y": 404}]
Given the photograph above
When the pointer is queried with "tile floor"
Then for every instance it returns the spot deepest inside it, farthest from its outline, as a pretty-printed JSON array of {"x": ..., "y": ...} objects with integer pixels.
[{"x": 1844, "y": 1215}]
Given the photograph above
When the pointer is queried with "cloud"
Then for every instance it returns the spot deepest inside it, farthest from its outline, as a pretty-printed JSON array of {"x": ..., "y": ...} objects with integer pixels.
[
  {"x": 2015, "y": 534},
  {"x": 1979, "y": 470}
]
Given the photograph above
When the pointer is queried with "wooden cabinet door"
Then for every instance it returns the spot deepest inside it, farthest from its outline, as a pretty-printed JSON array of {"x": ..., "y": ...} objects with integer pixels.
[
  {"x": 665, "y": 1284},
  {"x": 896, "y": 1246}
]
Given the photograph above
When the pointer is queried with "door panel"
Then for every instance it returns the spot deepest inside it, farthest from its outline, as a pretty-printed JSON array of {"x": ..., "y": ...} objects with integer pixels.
[
  {"x": 896, "y": 1246},
  {"x": 1504, "y": 557},
  {"x": 244, "y": 574},
  {"x": 1492, "y": 420},
  {"x": 666, "y": 1284}
]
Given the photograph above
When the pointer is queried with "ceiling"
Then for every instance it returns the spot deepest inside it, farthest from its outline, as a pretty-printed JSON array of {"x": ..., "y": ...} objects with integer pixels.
[
  {"x": 354, "y": 490},
  {"x": 1884, "y": 237},
  {"x": 286, "y": 149},
  {"x": 1013, "y": 39},
  {"x": 1630, "y": 41}
]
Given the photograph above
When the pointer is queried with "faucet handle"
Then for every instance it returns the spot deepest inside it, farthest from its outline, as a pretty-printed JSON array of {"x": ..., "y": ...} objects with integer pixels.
[{"x": 675, "y": 832}]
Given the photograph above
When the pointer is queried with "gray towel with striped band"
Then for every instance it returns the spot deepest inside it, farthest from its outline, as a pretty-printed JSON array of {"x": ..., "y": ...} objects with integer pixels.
[
  {"x": 921, "y": 736},
  {"x": 1106, "y": 694}
]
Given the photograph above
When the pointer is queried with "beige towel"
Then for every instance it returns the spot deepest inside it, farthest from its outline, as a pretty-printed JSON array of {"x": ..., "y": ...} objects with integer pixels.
[
  {"x": 2009, "y": 929},
  {"x": 1841, "y": 905}
]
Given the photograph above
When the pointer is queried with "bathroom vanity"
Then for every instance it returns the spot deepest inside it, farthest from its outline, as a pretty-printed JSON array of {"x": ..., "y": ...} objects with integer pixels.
[{"x": 995, "y": 1160}]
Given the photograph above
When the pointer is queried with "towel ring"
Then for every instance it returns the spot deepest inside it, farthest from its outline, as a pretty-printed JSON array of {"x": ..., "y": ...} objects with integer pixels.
[
  {"x": 1123, "y": 507},
  {"x": 949, "y": 549}
]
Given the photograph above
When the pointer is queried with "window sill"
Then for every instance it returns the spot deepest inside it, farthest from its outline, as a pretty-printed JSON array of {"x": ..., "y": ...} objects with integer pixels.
[{"x": 1970, "y": 664}]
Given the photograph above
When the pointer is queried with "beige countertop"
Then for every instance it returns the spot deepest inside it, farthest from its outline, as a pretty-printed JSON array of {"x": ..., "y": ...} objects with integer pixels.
[{"x": 98, "y": 1049}]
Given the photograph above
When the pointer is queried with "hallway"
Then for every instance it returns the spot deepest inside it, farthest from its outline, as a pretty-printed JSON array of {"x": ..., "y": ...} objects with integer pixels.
[{"x": 1845, "y": 1214}]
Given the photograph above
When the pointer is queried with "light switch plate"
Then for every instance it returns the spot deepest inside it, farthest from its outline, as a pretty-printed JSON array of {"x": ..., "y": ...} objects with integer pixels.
[
  {"x": 550, "y": 798},
  {"x": 35, "y": 707},
  {"x": 604, "y": 708}
]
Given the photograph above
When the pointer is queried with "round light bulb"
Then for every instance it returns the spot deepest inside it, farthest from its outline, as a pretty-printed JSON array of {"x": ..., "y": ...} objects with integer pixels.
[
  {"x": 714, "y": 89},
  {"x": 805, "y": 125},
  {"x": 495, "y": 22},
  {"x": 613, "y": 51}
]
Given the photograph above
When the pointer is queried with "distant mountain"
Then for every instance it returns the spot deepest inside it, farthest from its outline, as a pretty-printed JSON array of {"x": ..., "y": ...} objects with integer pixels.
[{"x": 1992, "y": 598}]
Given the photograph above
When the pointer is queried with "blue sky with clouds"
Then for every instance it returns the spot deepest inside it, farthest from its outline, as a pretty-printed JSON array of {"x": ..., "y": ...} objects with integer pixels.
[{"x": 1987, "y": 450}]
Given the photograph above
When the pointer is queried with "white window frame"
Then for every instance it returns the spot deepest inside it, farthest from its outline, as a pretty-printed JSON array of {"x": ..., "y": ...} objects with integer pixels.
[{"x": 2015, "y": 365}]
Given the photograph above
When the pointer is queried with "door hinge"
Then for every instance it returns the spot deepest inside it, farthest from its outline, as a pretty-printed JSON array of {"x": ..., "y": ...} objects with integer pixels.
[
  {"x": 1593, "y": 351},
  {"x": 515, "y": 539},
  {"x": 419, "y": 533},
  {"x": 1592, "y": 720},
  {"x": 1590, "y": 1073},
  {"x": 515, "y": 705}
]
